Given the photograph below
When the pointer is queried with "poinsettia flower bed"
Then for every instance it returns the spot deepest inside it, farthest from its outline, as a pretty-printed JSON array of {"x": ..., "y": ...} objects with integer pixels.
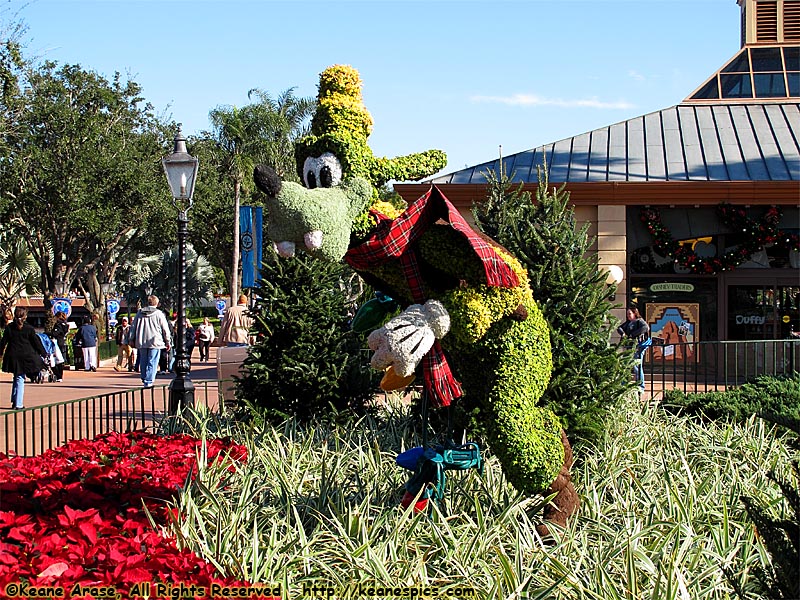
[{"x": 76, "y": 514}]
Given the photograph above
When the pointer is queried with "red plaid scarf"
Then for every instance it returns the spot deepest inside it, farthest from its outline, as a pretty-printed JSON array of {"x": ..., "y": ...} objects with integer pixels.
[{"x": 395, "y": 239}]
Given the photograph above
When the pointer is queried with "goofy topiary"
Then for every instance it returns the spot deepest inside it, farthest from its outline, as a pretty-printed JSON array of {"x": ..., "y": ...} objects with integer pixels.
[{"x": 470, "y": 316}]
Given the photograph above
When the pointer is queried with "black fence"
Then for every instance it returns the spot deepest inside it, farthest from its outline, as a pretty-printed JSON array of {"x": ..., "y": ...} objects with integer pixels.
[
  {"x": 691, "y": 367},
  {"x": 31, "y": 431},
  {"x": 717, "y": 366}
]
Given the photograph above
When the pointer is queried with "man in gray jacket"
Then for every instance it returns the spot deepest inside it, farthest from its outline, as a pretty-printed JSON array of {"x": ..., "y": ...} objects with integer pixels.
[{"x": 150, "y": 334}]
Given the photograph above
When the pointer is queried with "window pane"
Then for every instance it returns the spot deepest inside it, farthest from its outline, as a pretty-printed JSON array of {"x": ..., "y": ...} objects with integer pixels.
[
  {"x": 708, "y": 91},
  {"x": 751, "y": 312},
  {"x": 738, "y": 64},
  {"x": 767, "y": 59},
  {"x": 794, "y": 84},
  {"x": 791, "y": 54},
  {"x": 769, "y": 85},
  {"x": 736, "y": 86}
]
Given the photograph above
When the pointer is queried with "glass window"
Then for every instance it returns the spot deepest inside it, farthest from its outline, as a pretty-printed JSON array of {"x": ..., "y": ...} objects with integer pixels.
[
  {"x": 766, "y": 59},
  {"x": 751, "y": 312},
  {"x": 788, "y": 306},
  {"x": 791, "y": 54},
  {"x": 709, "y": 91},
  {"x": 769, "y": 85},
  {"x": 736, "y": 86},
  {"x": 740, "y": 64},
  {"x": 794, "y": 84}
]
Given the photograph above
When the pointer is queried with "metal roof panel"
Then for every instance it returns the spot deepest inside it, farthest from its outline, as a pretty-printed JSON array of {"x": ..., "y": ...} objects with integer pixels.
[
  {"x": 695, "y": 160},
  {"x": 673, "y": 146},
  {"x": 598, "y": 156},
  {"x": 654, "y": 148},
  {"x": 750, "y": 148},
  {"x": 729, "y": 144}
]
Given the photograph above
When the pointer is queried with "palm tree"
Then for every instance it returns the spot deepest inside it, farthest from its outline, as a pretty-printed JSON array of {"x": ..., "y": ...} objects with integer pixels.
[
  {"x": 160, "y": 273},
  {"x": 262, "y": 131},
  {"x": 286, "y": 118},
  {"x": 18, "y": 268}
]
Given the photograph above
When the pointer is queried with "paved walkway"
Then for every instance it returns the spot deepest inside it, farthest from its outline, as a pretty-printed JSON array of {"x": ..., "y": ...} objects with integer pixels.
[
  {"x": 120, "y": 403},
  {"x": 83, "y": 384}
]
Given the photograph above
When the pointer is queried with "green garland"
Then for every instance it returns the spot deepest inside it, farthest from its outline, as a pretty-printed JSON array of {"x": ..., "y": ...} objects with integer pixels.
[{"x": 757, "y": 234}]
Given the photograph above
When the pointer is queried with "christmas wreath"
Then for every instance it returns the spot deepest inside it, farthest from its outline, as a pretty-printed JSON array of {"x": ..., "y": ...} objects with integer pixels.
[{"x": 757, "y": 234}]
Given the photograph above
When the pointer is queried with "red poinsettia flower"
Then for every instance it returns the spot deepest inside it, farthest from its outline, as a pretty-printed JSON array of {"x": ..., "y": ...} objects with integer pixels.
[{"x": 76, "y": 514}]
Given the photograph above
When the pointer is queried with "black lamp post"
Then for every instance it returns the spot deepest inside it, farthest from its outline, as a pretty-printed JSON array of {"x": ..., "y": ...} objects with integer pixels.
[
  {"x": 106, "y": 288},
  {"x": 181, "y": 170}
]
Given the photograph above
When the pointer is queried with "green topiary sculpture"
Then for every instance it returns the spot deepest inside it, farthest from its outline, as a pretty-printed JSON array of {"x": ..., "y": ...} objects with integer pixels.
[{"x": 467, "y": 301}]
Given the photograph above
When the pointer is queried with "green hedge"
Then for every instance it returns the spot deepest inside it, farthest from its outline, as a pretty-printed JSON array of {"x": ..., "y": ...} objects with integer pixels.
[{"x": 769, "y": 395}]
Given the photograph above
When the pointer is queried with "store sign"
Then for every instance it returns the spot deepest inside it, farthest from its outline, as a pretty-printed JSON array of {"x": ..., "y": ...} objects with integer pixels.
[
  {"x": 220, "y": 304},
  {"x": 62, "y": 305},
  {"x": 750, "y": 320},
  {"x": 672, "y": 287},
  {"x": 112, "y": 306}
]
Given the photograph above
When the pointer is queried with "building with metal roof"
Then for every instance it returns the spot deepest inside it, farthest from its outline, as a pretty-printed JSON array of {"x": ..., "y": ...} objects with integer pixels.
[{"x": 719, "y": 174}]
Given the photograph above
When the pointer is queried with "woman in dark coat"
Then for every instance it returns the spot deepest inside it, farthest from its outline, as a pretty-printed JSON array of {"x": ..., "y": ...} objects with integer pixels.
[{"x": 22, "y": 352}]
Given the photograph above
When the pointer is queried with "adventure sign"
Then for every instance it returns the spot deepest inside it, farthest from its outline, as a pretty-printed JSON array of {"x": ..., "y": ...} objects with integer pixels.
[
  {"x": 221, "y": 304},
  {"x": 62, "y": 305}
]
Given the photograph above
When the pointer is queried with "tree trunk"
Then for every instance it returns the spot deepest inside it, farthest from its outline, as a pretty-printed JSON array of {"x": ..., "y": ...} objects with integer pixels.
[{"x": 237, "y": 186}]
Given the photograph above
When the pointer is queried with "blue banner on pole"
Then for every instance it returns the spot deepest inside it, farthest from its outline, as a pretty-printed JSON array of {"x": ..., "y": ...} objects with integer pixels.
[{"x": 250, "y": 244}]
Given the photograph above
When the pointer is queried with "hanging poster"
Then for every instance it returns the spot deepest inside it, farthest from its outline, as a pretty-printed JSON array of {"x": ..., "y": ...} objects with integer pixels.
[{"x": 674, "y": 327}]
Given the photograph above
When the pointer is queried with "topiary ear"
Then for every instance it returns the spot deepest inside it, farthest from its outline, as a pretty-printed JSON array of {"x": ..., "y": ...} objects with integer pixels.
[{"x": 267, "y": 180}]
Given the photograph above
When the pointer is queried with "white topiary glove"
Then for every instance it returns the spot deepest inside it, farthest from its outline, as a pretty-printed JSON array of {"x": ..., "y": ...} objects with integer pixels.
[{"x": 405, "y": 339}]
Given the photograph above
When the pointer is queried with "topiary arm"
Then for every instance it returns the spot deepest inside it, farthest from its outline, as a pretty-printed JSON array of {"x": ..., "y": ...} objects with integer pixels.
[{"x": 407, "y": 168}]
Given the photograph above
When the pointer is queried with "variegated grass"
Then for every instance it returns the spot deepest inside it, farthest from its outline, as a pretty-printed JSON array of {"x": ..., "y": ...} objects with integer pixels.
[{"x": 660, "y": 518}]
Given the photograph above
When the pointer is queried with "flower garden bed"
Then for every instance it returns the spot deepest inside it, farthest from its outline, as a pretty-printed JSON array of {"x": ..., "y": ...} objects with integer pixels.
[{"x": 82, "y": 520}]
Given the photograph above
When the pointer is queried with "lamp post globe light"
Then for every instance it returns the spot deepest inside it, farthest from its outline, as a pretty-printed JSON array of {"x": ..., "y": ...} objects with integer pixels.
[
  {"x": 61, "y": 287},
  {"x": 181, "y": 170}
]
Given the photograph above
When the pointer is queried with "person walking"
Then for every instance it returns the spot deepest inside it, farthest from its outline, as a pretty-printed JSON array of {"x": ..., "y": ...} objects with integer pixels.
[
  {"x": 235, "y": 330},
  {"x": 88, "y": 337},
  {"x": 22, "y": 353},
  {"x": 205, "y": 336},
  {"x": 122, "y": 337},
  {"x": 635, "y": 328},
  {"x": 59, "y": 334},
  {"x": 150, "y": 336}
]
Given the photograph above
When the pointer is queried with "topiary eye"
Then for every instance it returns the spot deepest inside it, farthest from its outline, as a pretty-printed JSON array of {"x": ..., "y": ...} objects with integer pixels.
[
  {"x": 325, "y": 177},
  {"x": 322, "y": 171}
]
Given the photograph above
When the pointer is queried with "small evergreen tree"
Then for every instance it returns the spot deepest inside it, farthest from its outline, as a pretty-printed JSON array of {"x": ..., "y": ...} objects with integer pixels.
[
  {"x": 589, "y": 375},
  {"x": 305, "y": 359}
]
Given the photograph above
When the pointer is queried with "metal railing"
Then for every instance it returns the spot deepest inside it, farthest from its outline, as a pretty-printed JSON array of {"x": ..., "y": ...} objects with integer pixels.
[
  {"x": 691, "y": 367},
  {"x": 717, "y": 366},
  {"x": 31, "y": 431}
]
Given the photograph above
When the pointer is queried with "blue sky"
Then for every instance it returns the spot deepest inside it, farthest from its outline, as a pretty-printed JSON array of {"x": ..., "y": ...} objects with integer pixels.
[{"x": 462, "y": 76}]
